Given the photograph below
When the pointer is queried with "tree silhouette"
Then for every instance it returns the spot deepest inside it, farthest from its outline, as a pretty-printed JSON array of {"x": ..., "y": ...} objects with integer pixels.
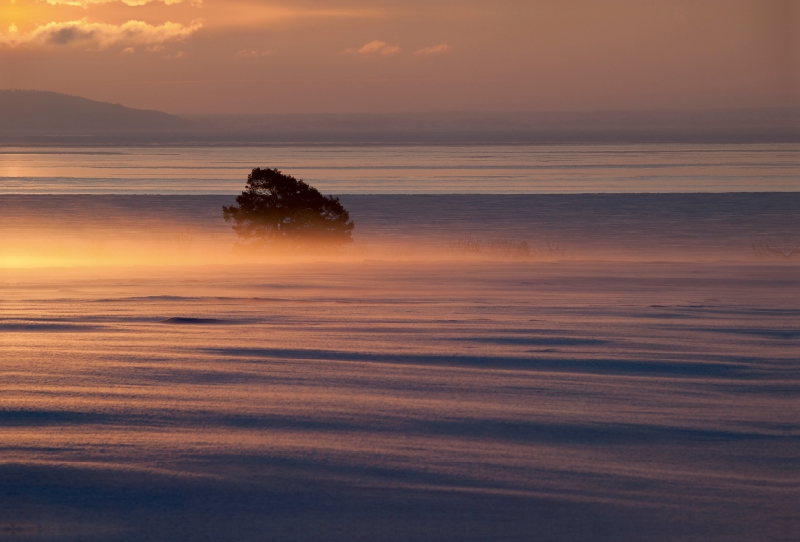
[{"x": 277, "y": 209}]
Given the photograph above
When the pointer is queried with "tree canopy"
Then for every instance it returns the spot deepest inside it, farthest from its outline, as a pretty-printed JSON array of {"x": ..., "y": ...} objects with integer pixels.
[{"x": 277, "y": 209}]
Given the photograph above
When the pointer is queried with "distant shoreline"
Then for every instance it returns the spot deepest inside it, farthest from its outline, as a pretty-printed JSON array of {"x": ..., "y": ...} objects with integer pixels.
[
  {"x": 37, "y": 118},
  {"x": 425, "y": 140}
]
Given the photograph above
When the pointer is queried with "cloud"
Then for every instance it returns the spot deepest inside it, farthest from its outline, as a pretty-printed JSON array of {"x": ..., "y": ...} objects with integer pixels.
[
  {"x": 376, "y": 47},
  {"x": 247, "y": 53},
  {"x": 87, "y": 3},
  {"x": 101, "y": 35},
  {"x": 435, "y": 50}
]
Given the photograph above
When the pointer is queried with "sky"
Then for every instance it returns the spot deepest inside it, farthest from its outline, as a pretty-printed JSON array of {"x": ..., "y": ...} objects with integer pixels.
[{"x": 332, "y": 56}]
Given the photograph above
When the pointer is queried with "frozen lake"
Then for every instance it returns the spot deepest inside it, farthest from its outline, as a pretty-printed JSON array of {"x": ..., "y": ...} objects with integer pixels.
[{"x": 572, "y": 356}]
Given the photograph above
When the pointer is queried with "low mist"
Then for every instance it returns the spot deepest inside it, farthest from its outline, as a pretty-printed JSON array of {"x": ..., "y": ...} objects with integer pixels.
[{"x": 80, "y": 231}]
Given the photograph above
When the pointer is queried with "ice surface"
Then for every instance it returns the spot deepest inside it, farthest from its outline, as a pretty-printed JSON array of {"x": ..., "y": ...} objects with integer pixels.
[
  {"x": 390, "y": 401},
  {"x": 639, "y": 381}
]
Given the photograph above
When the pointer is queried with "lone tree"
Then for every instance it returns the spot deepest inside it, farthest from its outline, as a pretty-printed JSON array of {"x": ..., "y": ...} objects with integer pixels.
[{"x": 277, "y": 209}]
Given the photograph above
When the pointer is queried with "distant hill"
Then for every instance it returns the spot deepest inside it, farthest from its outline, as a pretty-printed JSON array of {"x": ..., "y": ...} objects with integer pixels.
[{"x": 36, "y": 111}]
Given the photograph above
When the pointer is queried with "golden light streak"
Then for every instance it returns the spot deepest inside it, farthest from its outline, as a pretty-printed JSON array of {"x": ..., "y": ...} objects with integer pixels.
[
  {"x": 133, "y": 3},
  {"x": 245, "y": 15}
]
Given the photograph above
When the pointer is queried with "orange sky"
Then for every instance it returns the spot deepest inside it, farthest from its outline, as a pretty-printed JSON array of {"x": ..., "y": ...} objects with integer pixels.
[{"x": 250, "y": 56}]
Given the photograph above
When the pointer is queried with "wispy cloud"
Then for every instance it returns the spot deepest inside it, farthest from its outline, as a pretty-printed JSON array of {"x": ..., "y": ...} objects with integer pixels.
[
  {"x": 248, "y": 53},
  {"x": 87, "y": 3},
  {"x": 376, "y": 47},
  {"x": 435, "y": 50},
  {"x": 101, "y": 35}
]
